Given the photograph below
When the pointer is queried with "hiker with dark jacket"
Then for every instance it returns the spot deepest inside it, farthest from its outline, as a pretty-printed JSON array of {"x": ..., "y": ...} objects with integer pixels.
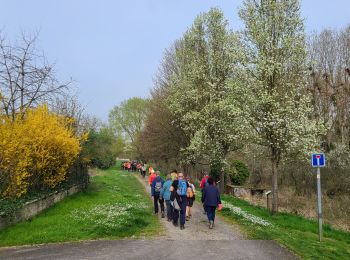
[
  {"x": 165, "y": 194},
  {"x": 156, "y": 188},
  {"x": 179, "y": 192},
  {"x": 211, "y": 199}
]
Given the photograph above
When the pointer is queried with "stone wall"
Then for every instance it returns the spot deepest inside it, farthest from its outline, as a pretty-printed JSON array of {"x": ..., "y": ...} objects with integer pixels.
[
  {"x": 245, "y": 192},
  {"x": 34, "y": 207}
]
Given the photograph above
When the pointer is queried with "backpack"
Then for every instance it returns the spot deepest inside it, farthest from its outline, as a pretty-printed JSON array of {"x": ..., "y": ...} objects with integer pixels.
[
  {"x": 158, "y": 187},
  {"x": 182, "y": 188},
  {"x": 175, "y": 204},
  {"x": 190, "y": 192}
]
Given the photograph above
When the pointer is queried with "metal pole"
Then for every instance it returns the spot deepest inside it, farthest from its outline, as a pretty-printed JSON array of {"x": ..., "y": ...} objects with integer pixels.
[{"x": 319, "y": 204}]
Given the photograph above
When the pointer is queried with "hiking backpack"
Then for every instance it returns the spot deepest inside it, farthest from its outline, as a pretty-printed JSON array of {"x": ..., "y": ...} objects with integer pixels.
[
  {"x": 190, "y": 192},
  {"x": 182, "y": 188},
  {"x": 158, "y": 187}
]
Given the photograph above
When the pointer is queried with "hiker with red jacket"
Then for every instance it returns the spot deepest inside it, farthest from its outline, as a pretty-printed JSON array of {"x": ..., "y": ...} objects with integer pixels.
[
  {"x": 211, "y": 200},
  {"x": 204, "y": 181},
  {"x": 129, "y": 166},
  {"x": 151, "y": 177},
  {"x": 203, "y": 184},
  {"x": 156, "y": 188}
]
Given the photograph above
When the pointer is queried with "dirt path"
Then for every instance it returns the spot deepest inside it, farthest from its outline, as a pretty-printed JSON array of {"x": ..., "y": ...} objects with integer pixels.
[{"x": 197, "y": 227}]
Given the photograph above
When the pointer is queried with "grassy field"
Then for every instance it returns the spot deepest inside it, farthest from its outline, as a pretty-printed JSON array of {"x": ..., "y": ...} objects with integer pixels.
[
  {"x": 296, "y": 233},
  {"x": 113, "y": 206}
]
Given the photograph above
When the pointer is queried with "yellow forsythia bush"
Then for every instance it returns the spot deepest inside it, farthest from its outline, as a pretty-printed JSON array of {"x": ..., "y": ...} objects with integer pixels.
[{"x": 35, "y": 152}]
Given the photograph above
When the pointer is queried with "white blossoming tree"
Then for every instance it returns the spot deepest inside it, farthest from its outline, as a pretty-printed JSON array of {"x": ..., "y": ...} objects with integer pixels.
[
  {"x": 275, "y": 81},
  {"x": 201, "y": 92}
]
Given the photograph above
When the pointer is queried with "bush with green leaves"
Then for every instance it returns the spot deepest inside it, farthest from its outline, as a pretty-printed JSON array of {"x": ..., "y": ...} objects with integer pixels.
[
  {"x": 102, "y": 147},
  {"x": 215, "y": 170},
  {"x": 238, "y": 172}
]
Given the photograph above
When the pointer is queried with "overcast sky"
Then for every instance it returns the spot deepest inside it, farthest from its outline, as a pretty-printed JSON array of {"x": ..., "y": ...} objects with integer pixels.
[{"x": 112, "y": 48}]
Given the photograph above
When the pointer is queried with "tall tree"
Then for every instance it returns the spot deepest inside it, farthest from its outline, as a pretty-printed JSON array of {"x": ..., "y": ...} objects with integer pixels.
[
  {"x": 162, "y": 138},
  {"x": 275, "y": 64},
  {"x": 201, "y": 93},
  {"x": 128, "y": 118},
  {"x": 329, "y": 55}
]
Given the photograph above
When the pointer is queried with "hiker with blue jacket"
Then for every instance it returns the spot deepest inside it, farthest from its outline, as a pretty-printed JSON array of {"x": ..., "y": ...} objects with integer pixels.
[
  {"x": 165, "y": 194},
  {"x": 156, "y": 188},
  {"x": 211, "y": 199},
  {"x": 179, "y": 192}
]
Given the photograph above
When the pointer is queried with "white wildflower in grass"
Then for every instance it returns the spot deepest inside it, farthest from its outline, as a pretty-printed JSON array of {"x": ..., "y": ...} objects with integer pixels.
[
  {"x": 109, "y": 216},
  {"x": 245, "y": 215}
]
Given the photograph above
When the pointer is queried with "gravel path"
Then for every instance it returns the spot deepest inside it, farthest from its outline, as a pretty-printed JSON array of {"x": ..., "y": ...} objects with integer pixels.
[{"x": 197, "y": 227}]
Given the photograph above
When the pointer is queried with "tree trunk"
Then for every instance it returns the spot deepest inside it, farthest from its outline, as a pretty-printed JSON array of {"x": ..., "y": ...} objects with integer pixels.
[
  {"x": 274, "y": 187},
  {"x": 222, "y": 182}
]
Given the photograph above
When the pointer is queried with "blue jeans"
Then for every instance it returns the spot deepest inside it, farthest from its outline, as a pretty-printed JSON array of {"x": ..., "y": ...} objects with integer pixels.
[{"x": 210, "y": 212}]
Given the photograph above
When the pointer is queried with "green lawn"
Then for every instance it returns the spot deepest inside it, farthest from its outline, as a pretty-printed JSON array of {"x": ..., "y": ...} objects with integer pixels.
[
  {"x": 294, "y": 232},
  {"x": 114, "y": 206}
]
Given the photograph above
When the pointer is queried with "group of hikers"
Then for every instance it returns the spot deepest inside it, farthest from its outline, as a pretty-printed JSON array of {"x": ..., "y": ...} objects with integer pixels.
[
  {"x": 178, "y": 193},
  {"x": 135, "y": 166}
]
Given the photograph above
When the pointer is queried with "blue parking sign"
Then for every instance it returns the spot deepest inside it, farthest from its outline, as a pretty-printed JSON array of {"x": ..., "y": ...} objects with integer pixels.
[{"x": 318, "y": 160}]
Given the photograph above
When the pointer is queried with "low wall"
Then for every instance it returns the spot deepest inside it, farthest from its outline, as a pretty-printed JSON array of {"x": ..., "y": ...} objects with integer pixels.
[
  {"x": 245, "y": 192},
  {"x": 34, "y": 207}
]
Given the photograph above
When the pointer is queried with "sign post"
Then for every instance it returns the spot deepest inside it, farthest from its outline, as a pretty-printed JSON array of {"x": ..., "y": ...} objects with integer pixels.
[{"x": 319, "y": 160}]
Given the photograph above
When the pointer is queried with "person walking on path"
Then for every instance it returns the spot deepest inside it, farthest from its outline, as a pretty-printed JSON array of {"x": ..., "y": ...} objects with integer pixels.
[
  {"x": 165, "y": 194},
  {"x": 143, "y": 170},
  {"x": 138, "y": 166},
  {"x": 151, "y": 178},
  {"x": 174, "y": 175},
  {"x": 129, "y": 166},
  {"x": 156, "y": 188},
  {"x": 175, "y": 202},
  {"x": 191, "y": 191},
  {"x": 150, "y": 170},
  {"x": 202, "y": 185},
  {"x": 211, "y": 199},
  {"x": 180, "y": 187}
]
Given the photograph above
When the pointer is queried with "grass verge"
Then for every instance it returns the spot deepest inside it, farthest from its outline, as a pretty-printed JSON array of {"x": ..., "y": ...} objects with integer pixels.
[
  {"x": 112, "y": 207},
  {"x": 298, "y": 234}
]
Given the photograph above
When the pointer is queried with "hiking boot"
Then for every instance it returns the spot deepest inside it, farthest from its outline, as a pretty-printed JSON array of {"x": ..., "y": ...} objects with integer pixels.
[
  {"x": 182, "y": 227},
  {"x": 211, "y": 224},
  {"x": 163, "y": 216}
]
